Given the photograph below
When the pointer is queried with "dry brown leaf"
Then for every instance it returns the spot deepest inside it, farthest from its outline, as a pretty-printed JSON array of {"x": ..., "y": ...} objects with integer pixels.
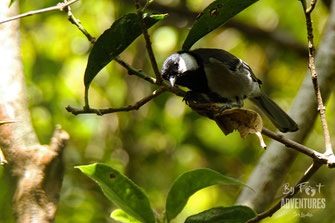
[{"x": 243, "y": 120}]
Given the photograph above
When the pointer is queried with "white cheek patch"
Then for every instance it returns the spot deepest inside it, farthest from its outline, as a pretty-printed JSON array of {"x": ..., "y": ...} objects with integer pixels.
[{"x": 187, "y": 63}]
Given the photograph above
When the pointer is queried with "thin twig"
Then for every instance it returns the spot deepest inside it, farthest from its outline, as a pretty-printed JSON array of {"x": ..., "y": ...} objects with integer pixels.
[
  {"x": 153, "y": 61},
  {"x": 100, "y": 112},
  {"x": 311, "y": 65},
  {"x": 320, "y": 157},
  {"x": 133, "y": 71},
  {"x": 307, "y": 175},
  {"x": 77, "y": 23},
  {"x": 59, "y": 6}
]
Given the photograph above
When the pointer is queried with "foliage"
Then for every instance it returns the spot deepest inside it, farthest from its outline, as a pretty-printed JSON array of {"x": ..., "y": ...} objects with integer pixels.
[
  {"x": 235, "y": 214},
  {"x": 189, "y": 183},
  {"x": 121, "y": 190},
  {"x": 133, "y": 201},
  {"x": 118, "y": 188},
  {"x": 215, "y": 15},
  {"x": 114, "y": 40}
]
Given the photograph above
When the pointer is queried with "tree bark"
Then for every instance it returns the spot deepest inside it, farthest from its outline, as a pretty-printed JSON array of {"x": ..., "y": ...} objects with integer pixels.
[
  {"x": 38, "y": 168},
  {"x": 268, "y": 175}
]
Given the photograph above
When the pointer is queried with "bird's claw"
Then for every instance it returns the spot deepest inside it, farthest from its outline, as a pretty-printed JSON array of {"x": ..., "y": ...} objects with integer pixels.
[{"x": 190, "y": 97}]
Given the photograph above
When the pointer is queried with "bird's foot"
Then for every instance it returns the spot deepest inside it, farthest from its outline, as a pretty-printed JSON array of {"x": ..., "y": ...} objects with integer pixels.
[
  {"x": 230, "y": 106},
  {"x": 191, "y": 97}
]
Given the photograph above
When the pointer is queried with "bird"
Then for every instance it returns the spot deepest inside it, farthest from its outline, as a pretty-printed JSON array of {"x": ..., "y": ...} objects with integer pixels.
[{"x": 224, "y": 79}]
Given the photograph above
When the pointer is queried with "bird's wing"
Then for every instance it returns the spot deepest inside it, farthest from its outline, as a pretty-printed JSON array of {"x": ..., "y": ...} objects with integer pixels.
[{"x": 222, "y": 57}]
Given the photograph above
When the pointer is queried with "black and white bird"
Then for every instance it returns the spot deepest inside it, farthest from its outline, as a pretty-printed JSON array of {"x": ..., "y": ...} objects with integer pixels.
[{"x": 223, "y": 78}]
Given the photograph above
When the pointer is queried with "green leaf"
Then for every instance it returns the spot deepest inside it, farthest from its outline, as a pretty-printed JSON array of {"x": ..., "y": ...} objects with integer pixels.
[
  {"x": 190, "y": 182},
  {"x": 114, "y": 41},
  {"x": 121, "y": 190},
  {"x": 234, "y": 214},
  {"x": 215, "y": 15},
  {"x": 121, "y": 216},
  {"x": 11, "y": 3}
]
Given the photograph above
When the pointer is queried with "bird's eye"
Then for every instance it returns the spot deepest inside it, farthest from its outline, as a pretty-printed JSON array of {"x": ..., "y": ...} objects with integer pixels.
[{"x": 175, "y": 66}]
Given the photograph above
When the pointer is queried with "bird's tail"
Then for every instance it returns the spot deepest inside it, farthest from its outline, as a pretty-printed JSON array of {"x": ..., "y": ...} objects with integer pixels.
[{"x": 277, "y": 116}]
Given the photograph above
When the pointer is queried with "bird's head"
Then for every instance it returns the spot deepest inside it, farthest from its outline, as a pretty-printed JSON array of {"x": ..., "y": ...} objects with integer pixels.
[{"x": 176, "y": 65}]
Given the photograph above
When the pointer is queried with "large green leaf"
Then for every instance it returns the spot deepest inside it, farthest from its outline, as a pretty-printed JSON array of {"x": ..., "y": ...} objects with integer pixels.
[
  {"x": 115, "y": 40},
  {"x": 121, "y": 190},
  {"x": 234, "y": 214},
  {"x": 190, "y": 182},
  {"x": 215, "y": 15}
]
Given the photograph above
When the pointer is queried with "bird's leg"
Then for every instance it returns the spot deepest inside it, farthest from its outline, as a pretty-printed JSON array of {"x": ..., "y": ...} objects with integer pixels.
[{"x": 239, "y": 104}]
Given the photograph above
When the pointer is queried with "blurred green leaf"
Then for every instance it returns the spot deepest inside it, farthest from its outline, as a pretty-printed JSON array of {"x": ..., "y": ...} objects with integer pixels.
[
  {"x": 121, "y": 216},
  {"x": 11, "y": 3},
  {"x": 215, "y": 15},
  {"x": 234, "y": 214},
  {"x": 115, "y": 40},
  {"x": 190, "y": 182},
  {"x": 121, "y": 190}
]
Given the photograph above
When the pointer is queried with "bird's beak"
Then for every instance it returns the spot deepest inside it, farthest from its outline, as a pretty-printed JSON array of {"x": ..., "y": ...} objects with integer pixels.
[{"x": 172, "y": 80}]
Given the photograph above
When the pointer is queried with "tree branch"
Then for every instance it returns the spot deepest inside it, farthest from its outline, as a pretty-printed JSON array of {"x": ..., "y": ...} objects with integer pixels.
[
  {"x": 321, "y": 158},
  {"x": 274, "y": 164},
  {"x": 100, "y": 112},
  {"x": 311, "y": 65},
  {"x": 77, "y": 23},
  {"x": 59, "y": 6},
  {"x": 37, "y": 192}
]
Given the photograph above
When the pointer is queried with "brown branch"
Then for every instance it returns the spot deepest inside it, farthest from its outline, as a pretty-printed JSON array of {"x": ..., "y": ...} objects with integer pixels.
[
  {"x": 100, "y": 112},
  {"x": 39, "y": 193},
  {"x": 307, "y": 175},
  {"x": 329, "y": 152},
  {"x": 153, "y": 61},
  {"x": 36, "y": 192},
  {"x": 59, "y": 6},
  {"x": 311, "y": 65},
  {"x": 320, "y": 157}
]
